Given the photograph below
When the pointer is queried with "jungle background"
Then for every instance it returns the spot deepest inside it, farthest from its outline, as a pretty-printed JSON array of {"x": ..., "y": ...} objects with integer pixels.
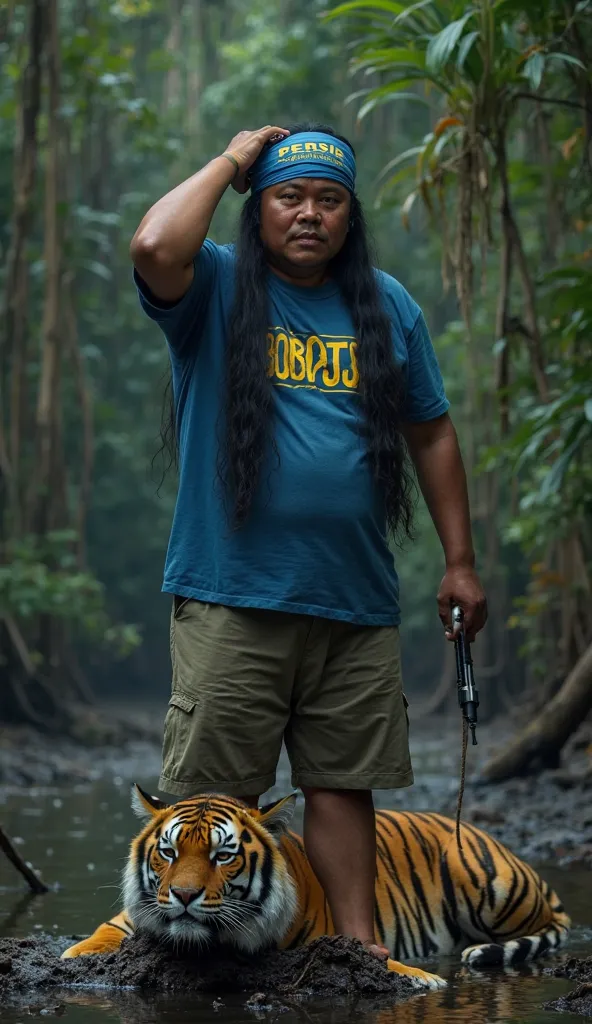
[{"x": 472, "y": 124}]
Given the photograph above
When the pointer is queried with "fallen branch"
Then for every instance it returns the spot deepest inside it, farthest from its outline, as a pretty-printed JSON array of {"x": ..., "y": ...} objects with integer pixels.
[
  {"x": 545, "y": 736},
  {"x": 35, "y": 883}
]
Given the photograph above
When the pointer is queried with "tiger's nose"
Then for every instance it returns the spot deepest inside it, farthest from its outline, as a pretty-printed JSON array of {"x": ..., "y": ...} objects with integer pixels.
[{"x": 186, "y": 895}]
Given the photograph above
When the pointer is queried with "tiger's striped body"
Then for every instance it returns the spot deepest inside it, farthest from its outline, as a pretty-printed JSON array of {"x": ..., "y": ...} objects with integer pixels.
[
  {"x": 209, "y": 868},
  {"x": 432, "y": 898}
]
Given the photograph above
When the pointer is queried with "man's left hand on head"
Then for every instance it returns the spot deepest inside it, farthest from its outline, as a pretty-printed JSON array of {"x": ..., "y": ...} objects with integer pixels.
[{"x": 462, "y": 586}]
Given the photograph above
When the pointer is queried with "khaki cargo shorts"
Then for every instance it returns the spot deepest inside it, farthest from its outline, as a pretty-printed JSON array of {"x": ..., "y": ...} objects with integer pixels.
[{"x": 245, "y": 679}]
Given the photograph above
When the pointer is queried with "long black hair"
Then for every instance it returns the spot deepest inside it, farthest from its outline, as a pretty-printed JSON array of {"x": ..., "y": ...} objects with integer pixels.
[{"x": 247, "y": 428}]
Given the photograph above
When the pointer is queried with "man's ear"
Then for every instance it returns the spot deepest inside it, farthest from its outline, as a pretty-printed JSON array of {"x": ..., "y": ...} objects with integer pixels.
[
  {"x": 144, "y": 805},
  {"x": 276, "y": 817}
]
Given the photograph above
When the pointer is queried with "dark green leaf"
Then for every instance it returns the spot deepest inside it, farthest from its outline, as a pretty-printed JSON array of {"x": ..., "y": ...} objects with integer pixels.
[
  {"x": 357, "y": 6},
  {"x": 533, "y": 69},
  {"x": 465, "y": 47},
  {"x": 409, "y": 97},
  {"x": 98, "y": 268},
  {"x": 554, "y": 477},
  {"x": 566, "y": 58},
  {"x": 442, "y": 45}
]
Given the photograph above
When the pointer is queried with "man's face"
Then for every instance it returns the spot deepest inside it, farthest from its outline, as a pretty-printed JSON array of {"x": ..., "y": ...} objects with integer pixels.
[{"x": 304, "y": 223}]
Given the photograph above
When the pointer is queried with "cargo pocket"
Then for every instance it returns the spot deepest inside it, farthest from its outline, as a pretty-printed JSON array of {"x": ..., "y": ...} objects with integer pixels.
[
  {"x": 185, "y": 630},
  {"x": 178, "y": 747},
  {"x": 184, "y": 701}
]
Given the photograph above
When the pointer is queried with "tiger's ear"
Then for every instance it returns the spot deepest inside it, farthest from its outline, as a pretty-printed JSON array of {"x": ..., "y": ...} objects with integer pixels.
[
  {"x": 144, "y": 805},
  {"x": 276, "y": 817}
]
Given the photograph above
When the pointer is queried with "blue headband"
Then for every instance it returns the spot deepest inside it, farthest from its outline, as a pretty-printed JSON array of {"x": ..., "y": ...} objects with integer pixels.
[{"x": 305, "y": 155}]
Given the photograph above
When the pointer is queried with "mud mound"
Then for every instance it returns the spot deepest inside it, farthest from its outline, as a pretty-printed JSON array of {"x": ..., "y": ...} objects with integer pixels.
[
  {"x": 328, "y": 967},
  {"x": 579, "y": 1000},
  {"x": 574, "y": 969}
]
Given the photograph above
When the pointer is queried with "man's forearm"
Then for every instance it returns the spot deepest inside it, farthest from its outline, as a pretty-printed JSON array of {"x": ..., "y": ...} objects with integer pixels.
[
  {"x": 174, "y": 229},
  {"x": 436, "y": 454}
]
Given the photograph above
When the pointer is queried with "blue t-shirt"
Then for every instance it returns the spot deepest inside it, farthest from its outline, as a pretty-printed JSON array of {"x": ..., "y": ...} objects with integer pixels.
[{"x": 315, "y": 541}]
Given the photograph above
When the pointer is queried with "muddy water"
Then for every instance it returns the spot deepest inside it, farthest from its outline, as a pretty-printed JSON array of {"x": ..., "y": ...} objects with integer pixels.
[{"x": 79, "y": 834}]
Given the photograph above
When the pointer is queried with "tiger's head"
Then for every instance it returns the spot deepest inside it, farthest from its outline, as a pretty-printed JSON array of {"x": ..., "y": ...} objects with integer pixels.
[{"x": 210, "y": 869}]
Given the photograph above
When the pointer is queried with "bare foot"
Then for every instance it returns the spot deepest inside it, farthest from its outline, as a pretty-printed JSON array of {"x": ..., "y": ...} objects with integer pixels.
[{"x": 380, "y": 952}]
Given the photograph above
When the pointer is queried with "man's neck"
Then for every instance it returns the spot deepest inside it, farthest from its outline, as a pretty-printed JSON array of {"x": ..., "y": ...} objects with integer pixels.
[{"x": 305, "y": 279}]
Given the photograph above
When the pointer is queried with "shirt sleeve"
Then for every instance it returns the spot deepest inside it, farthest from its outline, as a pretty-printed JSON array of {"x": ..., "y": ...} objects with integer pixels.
[
  {"x": 182, "y": 321},
  {"x": 426, "y": 397}
]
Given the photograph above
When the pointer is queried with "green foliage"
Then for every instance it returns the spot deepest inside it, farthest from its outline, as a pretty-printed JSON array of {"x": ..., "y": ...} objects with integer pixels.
[
  {"x": 472, "y": 63},
  {"x": 264, "y": 62},
  {"x": 550, "y": 450},
  {"x": 41, "y": 578}
]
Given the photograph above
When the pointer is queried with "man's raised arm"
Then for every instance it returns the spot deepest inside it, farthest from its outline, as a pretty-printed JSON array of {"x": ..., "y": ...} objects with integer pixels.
[{"x": 174, "y": 229}]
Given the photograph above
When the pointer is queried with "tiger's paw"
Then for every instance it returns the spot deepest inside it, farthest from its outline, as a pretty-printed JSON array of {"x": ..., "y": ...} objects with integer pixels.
[
  {"x": 93, "y": 946},
  {"x": 107, "y": 938},
  {"x": 422, "y": 980},
  {"x": 84, "y": 948},
  {"x": 490, "y": 954}
]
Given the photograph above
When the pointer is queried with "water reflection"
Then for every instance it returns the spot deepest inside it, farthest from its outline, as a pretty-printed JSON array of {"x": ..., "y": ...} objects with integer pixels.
[
  {"x": 16, "y": 910},
  {"x": 505, "y": 996},
  {"x": 498, "y": 998}
]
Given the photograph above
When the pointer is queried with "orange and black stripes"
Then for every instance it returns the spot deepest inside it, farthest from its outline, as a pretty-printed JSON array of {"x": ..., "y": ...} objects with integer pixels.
[{"x": 431, "y": 896}]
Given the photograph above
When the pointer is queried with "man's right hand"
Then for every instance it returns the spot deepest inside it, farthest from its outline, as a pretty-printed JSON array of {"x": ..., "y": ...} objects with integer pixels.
[
  {"x": 246, "y": 147},
  {"x": 173, "y": 231}
]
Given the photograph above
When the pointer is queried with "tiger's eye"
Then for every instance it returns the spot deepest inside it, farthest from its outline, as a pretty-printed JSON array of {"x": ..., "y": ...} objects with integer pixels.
[{"x": 223, "y": 858}]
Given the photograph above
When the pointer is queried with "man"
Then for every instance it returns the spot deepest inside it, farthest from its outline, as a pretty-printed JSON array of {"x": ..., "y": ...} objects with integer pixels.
[{"x": 299, "y": 372}]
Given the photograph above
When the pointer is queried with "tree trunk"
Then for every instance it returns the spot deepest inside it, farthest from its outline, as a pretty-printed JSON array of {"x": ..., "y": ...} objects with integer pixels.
[
  {"x": 502, "y": 319},
  {"x": 17, "y": 274},
  {"x": 40, "y": 503},
  {"x": 444, "y": 689},
  {"x": 583, "y": 85},
  {"x": 213, "y": 19},
  {"x": 172, "y": 87},
  {"x": 86, "y": 411},
  {"x": 464, "y": 273},
  {"x": 542, "y": 740},
  {"x": 552, "y": 213},
  {"x": 194, "y": 84},
  {"x": 514, "y": 239}
]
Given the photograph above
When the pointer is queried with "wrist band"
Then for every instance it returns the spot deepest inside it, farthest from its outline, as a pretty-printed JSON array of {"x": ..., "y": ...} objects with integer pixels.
[{"x": 233, "y": 161}]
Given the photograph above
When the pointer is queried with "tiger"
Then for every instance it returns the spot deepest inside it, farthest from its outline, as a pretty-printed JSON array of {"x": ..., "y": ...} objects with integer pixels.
[{"x": 211, "y": 869}]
